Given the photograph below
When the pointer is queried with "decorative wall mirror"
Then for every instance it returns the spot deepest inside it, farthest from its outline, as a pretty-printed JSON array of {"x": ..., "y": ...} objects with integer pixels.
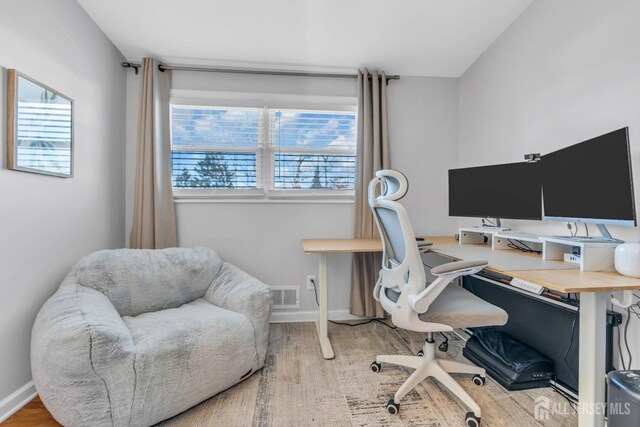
[{"x": 39, "y": 127}]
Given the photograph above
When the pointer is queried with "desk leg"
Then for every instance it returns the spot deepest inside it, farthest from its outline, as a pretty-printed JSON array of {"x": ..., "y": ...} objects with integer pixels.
[
  {"x": 593, "y": 316},
  {"x": 323, "y": 317}
]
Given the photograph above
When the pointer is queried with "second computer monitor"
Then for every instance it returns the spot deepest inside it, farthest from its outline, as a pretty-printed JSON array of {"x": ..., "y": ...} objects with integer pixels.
[
  {"x": 510, "y": 190},
  {"x": 591, "y": 181}
]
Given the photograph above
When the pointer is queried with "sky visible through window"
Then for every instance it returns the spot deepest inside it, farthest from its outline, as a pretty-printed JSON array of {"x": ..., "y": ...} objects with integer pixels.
[{"x": 222, "y": 148}]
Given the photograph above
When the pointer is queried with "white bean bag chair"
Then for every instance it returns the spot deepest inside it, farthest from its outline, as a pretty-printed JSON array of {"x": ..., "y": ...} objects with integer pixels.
[{"x": 133, "y": 337}]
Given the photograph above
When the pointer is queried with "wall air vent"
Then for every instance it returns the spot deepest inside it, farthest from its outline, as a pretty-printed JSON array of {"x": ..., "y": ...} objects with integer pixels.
[{"x": 285, "y": 296}]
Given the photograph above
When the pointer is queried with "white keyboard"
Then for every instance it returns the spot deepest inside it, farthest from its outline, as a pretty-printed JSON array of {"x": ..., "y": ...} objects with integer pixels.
[{"x": 527, "y": 286}]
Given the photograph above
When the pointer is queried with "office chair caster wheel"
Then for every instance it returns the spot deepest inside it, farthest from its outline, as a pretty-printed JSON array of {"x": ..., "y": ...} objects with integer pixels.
[
  {"x": 392, "y": 407},
  {"x": 420, "y": 353},
  {"x": 375, "y": 367},
  {"x": 471, "y": 420},
  {"x": 478, "y": 380}
]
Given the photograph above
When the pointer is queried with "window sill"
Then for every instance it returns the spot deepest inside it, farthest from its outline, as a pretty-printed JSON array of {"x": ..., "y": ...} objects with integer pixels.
[
  {"x": 259, "y": 196},
  {"x": 261, "y": 201}
]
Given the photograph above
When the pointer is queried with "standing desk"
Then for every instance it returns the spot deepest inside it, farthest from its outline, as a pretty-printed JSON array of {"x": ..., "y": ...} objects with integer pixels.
[
  {"x": 594, "y": 287},
  {"x": 323, "y": 247}
]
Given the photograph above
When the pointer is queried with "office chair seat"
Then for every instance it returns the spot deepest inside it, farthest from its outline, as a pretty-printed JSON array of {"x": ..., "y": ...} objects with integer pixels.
[{"x": 459, "y": 308}]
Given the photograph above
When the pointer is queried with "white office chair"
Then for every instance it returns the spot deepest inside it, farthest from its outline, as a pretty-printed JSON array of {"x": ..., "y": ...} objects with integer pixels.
[{"x": 417, "y": 306}]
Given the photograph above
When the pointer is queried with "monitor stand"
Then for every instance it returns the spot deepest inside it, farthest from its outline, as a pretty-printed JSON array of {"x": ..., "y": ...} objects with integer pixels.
[
  {"x": 605, "y": 238},
  {"x": 497, "y": 227}
]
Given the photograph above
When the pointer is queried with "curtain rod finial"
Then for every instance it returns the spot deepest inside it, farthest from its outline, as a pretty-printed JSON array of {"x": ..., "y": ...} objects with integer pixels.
[{"x": 127, "y": 64}]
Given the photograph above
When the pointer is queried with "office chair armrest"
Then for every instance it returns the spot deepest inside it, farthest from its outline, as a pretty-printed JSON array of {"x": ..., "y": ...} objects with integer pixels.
[
  {"x": 445, "y": 274},
  {"x": 458, "y": 267}
]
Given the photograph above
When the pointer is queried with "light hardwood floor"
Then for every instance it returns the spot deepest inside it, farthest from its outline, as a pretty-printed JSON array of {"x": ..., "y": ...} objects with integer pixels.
[{"x": 298, "y": 387}]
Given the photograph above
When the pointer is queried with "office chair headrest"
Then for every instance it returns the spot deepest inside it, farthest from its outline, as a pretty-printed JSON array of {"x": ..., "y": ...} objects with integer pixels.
[{"x": 394, "y": 184}]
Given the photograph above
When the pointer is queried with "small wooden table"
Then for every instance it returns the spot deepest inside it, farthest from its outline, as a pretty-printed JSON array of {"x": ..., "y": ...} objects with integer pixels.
[{"x": 594, "y": 287}]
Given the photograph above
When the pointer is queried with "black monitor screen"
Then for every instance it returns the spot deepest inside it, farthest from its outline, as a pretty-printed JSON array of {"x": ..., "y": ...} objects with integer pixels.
[
  {"x": 590, "y": 181},
  {"x": 500, "y": 191}
]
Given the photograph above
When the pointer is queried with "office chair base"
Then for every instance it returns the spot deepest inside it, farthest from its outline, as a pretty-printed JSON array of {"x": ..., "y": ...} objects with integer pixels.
[{"x": 429, "y": 366}]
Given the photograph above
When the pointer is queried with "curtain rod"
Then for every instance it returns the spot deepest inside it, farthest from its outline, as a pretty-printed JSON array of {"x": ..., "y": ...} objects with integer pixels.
[{"x": 163, "y": 67}]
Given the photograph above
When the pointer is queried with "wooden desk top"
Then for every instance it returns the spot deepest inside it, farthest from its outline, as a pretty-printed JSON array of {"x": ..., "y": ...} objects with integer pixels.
[
  {"x": 566, "y": 281},
  {"x": 329, "y": 246}
]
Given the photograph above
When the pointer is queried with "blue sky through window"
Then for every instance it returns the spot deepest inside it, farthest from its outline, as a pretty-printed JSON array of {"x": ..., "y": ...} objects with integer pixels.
[{"x": 326, "y": 131}]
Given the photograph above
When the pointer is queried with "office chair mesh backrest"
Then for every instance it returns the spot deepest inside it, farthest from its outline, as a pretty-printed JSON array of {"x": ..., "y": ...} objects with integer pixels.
[
  {"x": 402, "y": 264},
  {"x": 391, "y": 234}
]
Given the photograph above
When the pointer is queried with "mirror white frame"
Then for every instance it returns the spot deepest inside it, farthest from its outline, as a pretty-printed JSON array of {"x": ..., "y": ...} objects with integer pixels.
[{"x": 39, "y": 127}]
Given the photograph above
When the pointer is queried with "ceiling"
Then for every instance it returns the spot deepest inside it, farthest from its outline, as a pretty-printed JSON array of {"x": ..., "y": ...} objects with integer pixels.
[{"x": 408, "y": 37}]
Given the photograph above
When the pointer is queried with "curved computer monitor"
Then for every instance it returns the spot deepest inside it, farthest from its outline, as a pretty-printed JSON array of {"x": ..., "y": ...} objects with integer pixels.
[
  {"x": 590, "y": 182},
  {"x": 508, "y": 191}
]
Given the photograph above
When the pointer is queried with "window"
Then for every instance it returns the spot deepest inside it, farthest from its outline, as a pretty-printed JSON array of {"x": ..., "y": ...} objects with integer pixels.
[
  {"x": 313, "y": 150},
  {"x": 215, "y": 147},
  {"x": 236, "y": 151}
]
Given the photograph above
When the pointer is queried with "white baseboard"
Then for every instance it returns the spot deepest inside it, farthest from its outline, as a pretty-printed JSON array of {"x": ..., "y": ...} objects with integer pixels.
[
  {"x": 16, "y": 400},
  {"x": 310, "y": 316}
]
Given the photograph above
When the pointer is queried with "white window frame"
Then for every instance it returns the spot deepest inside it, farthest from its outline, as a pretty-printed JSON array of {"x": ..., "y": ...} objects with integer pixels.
[{"x": 265, "y": 150}]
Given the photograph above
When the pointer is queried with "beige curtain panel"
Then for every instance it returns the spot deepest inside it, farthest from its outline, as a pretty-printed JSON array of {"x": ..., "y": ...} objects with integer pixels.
[
  {"x": 373, "y": 155},
  {"x": 154, "y": 220}
]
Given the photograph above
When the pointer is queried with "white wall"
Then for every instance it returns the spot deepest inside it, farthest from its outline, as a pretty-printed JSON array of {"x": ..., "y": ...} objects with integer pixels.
[
  {"x": 48, "y": 223},
  {"x": 264, "y": 238},
  {"x": 564, "y": 71},
  {"x": 423, "y": 122}
]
